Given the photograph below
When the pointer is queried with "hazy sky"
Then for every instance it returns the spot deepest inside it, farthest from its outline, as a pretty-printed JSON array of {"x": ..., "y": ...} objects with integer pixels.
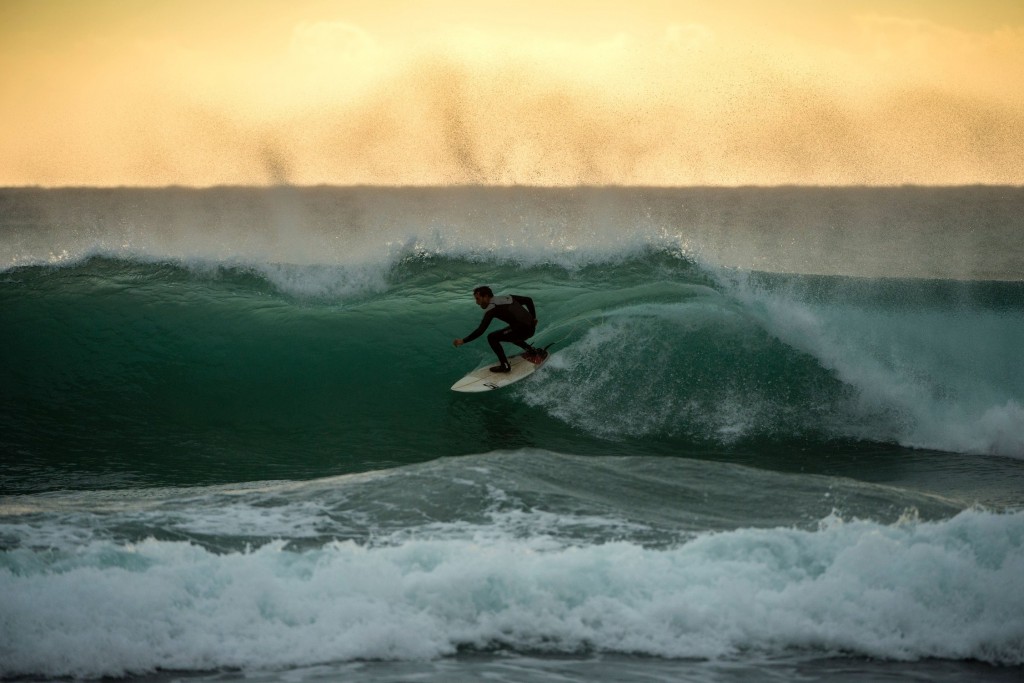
[{"x": 636, "y": 92}]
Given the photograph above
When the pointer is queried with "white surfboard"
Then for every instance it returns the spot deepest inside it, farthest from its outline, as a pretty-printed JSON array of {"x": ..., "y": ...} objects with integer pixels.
[{"x": 482, "y": 379}]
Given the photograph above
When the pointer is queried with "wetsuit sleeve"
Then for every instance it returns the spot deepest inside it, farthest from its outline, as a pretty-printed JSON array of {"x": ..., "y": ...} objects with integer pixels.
[
  {"x": 526, "y": 301},
  {"x": 488, "y": 317}
]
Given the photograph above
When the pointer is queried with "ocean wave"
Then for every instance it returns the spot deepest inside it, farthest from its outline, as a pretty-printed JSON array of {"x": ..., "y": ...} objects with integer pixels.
[
  {"x": 656, "y": 349},
  {"x": 919, "y": 366},
  {"x": 735, "y": 364},
  {"x": 905, "y": 591},
  {"x": 576, "y": 499}
]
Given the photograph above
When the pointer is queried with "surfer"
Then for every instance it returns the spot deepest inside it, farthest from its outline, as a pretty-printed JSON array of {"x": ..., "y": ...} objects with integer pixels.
[{"x": 521, "y": 316}]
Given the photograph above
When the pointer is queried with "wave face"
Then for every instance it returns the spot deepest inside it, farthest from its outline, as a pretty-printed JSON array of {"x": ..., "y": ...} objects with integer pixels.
[
  {"x": 766, "y": 432},
  {"x": 140, "y": 367}
]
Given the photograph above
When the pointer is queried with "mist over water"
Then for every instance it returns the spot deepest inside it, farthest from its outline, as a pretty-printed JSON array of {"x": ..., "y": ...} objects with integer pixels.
[{"x": 945, "y": 233}]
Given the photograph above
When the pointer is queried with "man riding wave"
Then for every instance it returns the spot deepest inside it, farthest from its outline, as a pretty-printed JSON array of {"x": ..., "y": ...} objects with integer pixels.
[{"x": 521, "y": 316}]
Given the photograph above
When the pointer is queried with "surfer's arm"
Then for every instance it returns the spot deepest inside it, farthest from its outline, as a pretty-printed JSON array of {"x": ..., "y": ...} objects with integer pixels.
[{"x": 488, "y": 317}]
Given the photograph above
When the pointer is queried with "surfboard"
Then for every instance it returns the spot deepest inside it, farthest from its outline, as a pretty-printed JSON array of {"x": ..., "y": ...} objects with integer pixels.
[{"x": 482, "y": 379}]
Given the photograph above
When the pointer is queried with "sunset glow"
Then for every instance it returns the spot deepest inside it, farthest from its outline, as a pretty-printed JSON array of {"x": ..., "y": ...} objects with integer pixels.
[{"x": 537, "y": 93}]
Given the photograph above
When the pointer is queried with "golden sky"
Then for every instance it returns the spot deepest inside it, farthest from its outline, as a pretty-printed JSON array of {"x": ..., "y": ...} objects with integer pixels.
[{"x": 553, "y": 92}]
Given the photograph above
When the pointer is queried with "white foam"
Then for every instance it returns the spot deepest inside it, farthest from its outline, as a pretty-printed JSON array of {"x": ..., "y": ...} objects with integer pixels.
[
  {"x": 599, "y": 385},
  {"x": 950, "y": 589},
  {"x": 923, "y": 379}
]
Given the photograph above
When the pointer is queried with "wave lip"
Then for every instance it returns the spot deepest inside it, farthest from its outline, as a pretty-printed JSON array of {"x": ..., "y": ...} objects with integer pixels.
[
  {"x": 911, "y": 590},
  {"x": 784, "y": 229},
  {"x": 938, "y": 374}
]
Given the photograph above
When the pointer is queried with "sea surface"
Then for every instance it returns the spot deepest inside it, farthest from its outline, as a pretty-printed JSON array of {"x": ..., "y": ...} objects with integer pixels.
[{"x": 780, "y": 435}]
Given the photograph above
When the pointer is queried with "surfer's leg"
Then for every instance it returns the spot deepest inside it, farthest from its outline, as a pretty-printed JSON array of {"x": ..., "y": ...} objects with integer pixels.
[
  {"x": 495, "y": 339},
  {"x": 527, "y": 349},
  {"x": 519, "y": 337}
]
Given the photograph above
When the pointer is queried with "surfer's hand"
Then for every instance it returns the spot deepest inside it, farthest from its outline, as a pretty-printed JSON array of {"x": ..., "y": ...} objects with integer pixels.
[{"x": 457, "y": 343}]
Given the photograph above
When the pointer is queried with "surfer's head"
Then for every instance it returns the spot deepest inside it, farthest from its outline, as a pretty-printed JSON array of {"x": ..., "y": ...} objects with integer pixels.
[{"x": 483, "y": 296}]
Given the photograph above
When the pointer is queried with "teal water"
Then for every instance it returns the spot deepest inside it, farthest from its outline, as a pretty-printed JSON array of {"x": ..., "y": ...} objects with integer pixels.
[
  {"x": 160, "y": 375},
  {"x": 229, "y": 446}
]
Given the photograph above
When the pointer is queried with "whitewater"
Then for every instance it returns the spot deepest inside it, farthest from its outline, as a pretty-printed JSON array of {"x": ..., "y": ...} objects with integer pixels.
[{"x": 781, "y": 434}]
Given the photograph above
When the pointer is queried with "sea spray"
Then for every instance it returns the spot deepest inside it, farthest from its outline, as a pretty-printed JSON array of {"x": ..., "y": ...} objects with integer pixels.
[{"x": 944, "y": 233}]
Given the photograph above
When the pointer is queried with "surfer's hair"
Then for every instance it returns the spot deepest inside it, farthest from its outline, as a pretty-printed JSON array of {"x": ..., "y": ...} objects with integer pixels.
[{"x": 483, "y": 290}]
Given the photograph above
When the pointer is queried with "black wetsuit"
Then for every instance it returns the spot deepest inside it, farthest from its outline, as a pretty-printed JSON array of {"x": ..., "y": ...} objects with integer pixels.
[{"x": 519, "y": 313}]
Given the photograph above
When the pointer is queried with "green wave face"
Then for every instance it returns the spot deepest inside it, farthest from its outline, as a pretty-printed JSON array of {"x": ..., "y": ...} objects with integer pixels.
[{"x": 175, "y": 373}]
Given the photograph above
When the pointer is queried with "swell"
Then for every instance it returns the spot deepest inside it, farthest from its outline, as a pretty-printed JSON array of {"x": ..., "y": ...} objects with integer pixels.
[
  {"x": 652, "y": 501},
  {"x": 171, "y": 372}
]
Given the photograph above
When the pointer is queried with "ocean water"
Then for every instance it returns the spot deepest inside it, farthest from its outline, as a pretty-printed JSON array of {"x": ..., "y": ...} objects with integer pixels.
[{"x": 780, "y": 435}]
